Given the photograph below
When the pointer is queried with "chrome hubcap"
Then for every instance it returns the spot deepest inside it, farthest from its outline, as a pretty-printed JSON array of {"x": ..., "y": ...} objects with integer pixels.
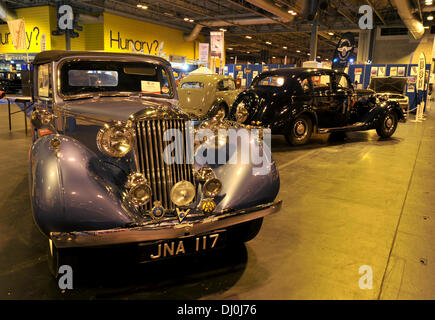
[
  {"x": 300, "y": 129},
  {"x": 389, "y": 123}
]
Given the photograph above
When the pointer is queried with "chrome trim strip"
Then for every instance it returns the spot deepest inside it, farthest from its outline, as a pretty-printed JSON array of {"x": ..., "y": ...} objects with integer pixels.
[{"x": 152, "y": 233}]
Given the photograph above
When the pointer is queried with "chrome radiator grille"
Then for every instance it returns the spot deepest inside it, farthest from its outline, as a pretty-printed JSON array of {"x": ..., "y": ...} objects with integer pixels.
[{"x": 160, "y": 175}]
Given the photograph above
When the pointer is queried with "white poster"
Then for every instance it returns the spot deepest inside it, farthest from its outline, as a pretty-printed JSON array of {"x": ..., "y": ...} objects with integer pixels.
[
  {"x": 203, "y": 52},
  {"x": 421, "y": 71},
  {"x": 18, "y": 33},
  {"x": 150, "y": 86},
  {"x": 217, "y": 44}
]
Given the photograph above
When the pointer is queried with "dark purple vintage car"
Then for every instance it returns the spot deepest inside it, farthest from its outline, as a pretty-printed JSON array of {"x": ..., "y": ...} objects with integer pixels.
[{"x": 99, "y": 169}]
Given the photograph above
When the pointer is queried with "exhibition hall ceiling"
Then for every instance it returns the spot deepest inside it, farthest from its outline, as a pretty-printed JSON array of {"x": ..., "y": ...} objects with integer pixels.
[{"x": 253, "y": 28}]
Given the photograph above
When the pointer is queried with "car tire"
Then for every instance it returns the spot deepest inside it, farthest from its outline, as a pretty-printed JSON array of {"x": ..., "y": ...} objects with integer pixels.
[
  {"x": 300, "y": 131},
  {"x": 387, "y": 125},
  {"x": 248, "y": 230}
]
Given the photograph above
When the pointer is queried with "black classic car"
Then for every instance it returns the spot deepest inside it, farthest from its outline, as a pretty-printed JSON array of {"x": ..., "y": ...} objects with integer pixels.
[
  {"x": 296, "y": 101},
  {"x": 112, "y": 163}
]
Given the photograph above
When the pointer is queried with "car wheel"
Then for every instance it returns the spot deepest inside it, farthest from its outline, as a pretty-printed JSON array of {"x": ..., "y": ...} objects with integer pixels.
[
  {"x": 248, "y": 230},
  {"x": 300, "y": 131},
  {"x": 387, "y": 125}
]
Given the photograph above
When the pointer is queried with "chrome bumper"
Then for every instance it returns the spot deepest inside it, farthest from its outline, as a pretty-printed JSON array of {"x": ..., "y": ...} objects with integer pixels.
[{"x": 154, "y": 232}]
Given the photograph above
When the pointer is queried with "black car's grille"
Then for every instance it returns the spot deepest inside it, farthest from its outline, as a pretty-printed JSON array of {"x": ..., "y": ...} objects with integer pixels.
[{"x": 160, "y": 175}]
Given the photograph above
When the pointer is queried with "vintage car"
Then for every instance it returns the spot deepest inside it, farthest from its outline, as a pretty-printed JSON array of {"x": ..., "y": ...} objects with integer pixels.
[
  {"x": 99, "y": 169},
  {"x": 207, "y": 94},
  {"x": 296, "y": 101},
  {"x": 391, "y": 89}
]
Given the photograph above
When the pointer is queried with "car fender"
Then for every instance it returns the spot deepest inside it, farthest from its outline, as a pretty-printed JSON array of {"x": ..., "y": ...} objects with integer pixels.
[
  {"x": 245, "y": 185},
  {"x": 377, "y": 112},
  {"x": 71, "y": 190},
  {"x": 290, "y": 113}
]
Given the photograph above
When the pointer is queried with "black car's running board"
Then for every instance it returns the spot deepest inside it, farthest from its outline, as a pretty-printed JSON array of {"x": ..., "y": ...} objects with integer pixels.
[{"x": 355, "y": 126}]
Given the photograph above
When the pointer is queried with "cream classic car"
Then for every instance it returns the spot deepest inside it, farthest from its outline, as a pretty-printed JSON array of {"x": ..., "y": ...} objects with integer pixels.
[{"x": 207, "y": 94}]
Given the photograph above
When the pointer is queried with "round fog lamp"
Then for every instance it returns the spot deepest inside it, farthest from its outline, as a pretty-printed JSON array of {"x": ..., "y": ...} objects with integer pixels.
[
  {"x": 140, "y": 195},
  {"x": 182, "y": 193},
  {"x": 212, "y": 187}
]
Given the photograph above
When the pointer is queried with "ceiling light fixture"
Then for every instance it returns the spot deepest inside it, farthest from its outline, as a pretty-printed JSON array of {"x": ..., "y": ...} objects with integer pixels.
[
  {"x": 268, "y": 42},
  {"x": 430, "y": 17},
  {"x": 428, "y": 2},
  {"x": 298, "y": 51},
  {"x": 222, "y": 29},
  {"x": 191, "y": 20},
  {"x": 248, "y": 37},
  {"x": 285, "y": 48},
  {"x": 331, "y": 33},
  {"x": 186, "y": 19}
]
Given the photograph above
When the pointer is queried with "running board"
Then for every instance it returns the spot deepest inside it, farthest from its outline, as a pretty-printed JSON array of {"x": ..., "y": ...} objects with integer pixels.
[{"x": 355, "y": 126}]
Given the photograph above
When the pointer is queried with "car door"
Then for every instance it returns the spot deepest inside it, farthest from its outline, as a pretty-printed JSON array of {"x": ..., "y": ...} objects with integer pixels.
[
  {"x": 343, "y": 95},
  {"x": 323, "y": 99}
]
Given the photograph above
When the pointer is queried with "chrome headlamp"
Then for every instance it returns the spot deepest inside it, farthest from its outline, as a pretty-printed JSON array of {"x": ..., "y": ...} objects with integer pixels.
[
  {"x": 241, "y": 112},
  {"x": 212, "y": 187},
  {"x": 42, "y": 117},
  {"x": 183, "y": 193},
  {"x": 115, "y": 140},
  {"x": 140, "y": 191}
]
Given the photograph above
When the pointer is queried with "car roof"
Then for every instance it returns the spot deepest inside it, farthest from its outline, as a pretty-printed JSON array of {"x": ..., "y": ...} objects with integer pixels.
[
  {"x": 56, "y": 55},
  {"x": 298, "y": 71},
  {"x": 204, "y": 77}
]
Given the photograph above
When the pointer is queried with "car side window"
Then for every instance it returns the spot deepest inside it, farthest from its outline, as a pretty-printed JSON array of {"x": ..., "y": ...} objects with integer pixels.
[
  {"x": 341, "y": 82},
  {"x": 322, "y": 81},
  {"x": 226, "y": 85},
  {"x": 305, "y": 84}
]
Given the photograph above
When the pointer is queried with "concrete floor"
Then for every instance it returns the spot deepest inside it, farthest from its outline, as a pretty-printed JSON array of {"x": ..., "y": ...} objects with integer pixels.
[{"x": 361, "y": 201}]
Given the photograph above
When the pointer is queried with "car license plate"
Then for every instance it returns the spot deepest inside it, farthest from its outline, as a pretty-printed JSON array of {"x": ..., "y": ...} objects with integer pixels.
[{"x": 181, "y": 246}]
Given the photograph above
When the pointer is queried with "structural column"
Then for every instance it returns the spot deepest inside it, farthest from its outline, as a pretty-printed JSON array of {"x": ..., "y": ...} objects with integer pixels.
[
  {"x": 313, "y": 42},
  {"x": 365, "y": 45}
]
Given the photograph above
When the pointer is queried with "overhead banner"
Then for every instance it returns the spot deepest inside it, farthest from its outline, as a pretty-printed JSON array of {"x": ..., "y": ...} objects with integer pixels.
[
  {"x": 344, "y": 51},
  {"x": 217, "y": 44},
  {"x": 421, "y": 71},
  {"x": 203, "y": 52},
  {"x": 18, "y": 33}
]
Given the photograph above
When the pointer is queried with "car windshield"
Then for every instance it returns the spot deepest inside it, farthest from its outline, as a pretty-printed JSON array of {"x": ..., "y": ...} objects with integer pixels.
[
  {"x": 269, "y": 81},
  {"x": 81, "y": 77}
]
